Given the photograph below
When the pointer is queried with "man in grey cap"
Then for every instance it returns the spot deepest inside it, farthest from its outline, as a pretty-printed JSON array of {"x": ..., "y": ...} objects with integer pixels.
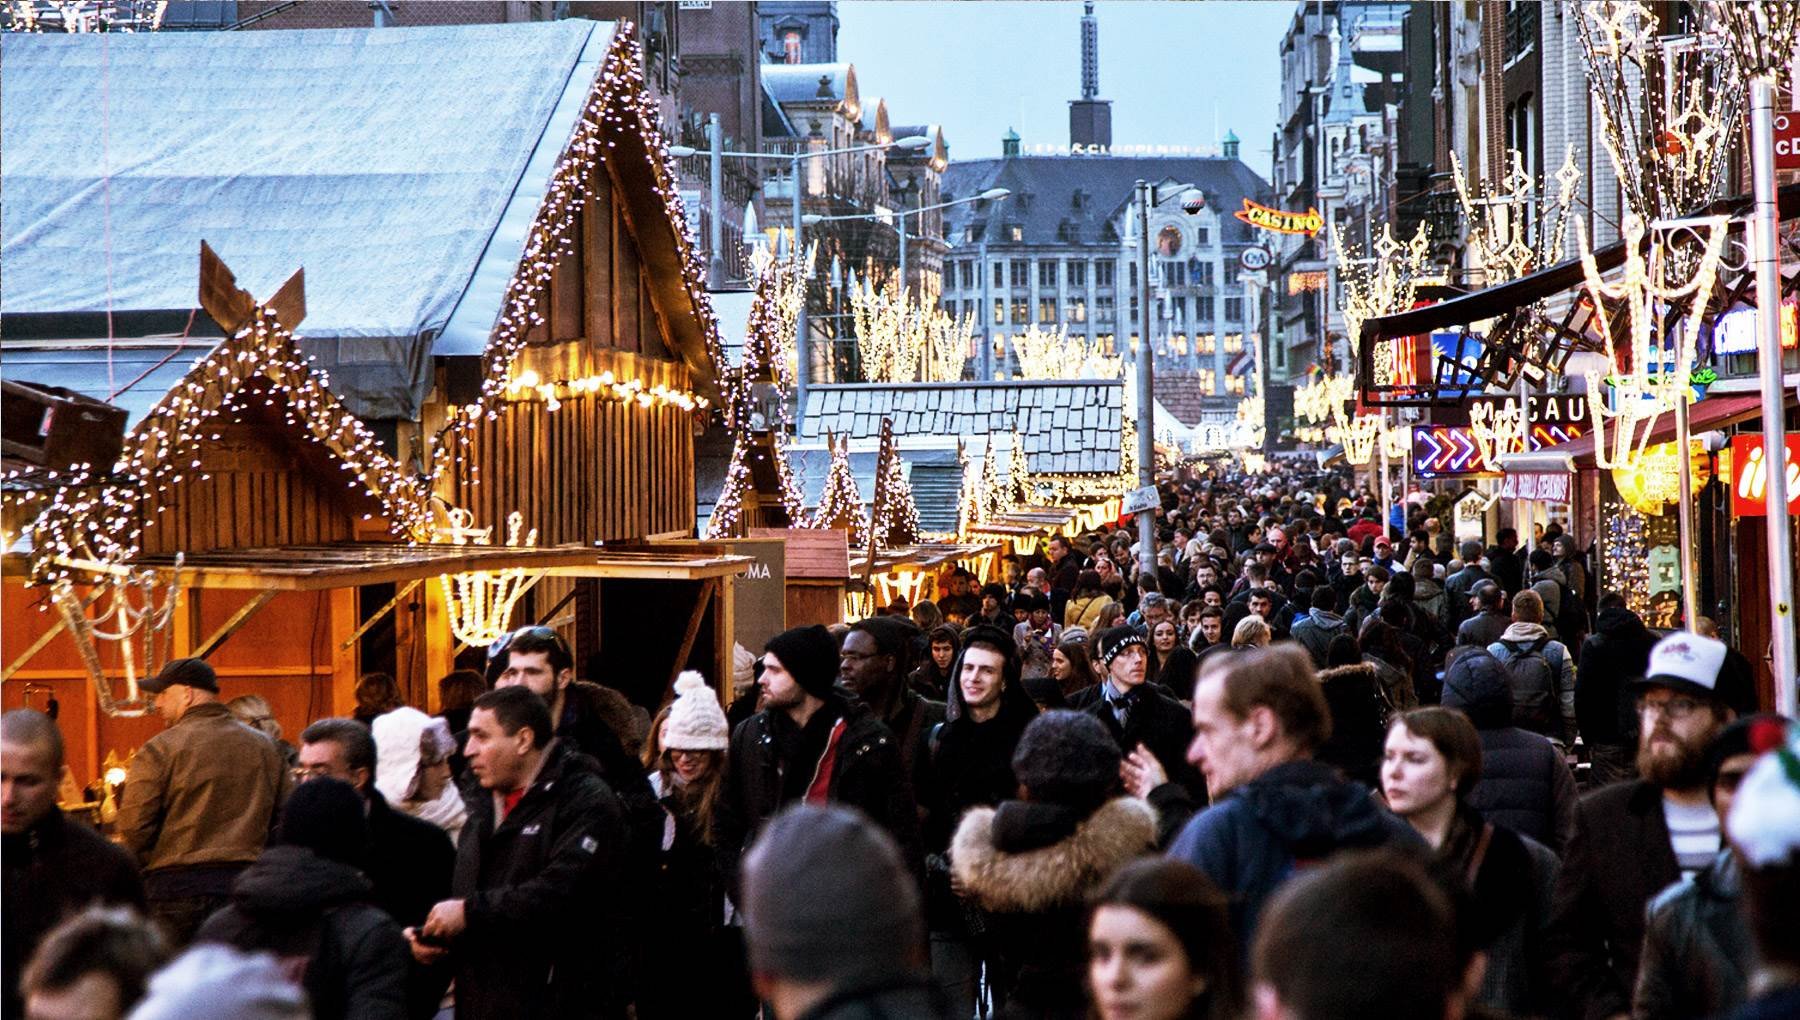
[
  {"x": 832, "y": 919},
  {"x": 200, "y": 798}
]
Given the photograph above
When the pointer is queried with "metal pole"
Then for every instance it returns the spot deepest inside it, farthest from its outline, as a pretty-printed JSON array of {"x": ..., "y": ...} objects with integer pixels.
[
  {"x": 802, "y": 339},
  {"x": 1686, "y": 540},
  {"x": 986, "y": 359},
  {"x": 1387, "y": 489},
  {"x": 1766, "y": 260},
  {"x": 903, "y": 254},
  {"x": 715, "y": 234},
  {"x": 1146, "y": 401}
]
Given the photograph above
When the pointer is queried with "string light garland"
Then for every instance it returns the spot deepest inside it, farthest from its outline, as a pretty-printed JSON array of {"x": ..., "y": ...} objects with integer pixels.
[
  {"x": 81, "y": 16},
  {"x": 620, "y": 103},
  {"x": 1018, "y": 472},
  {"x": 1498, "y": 427},
  {"x": 527, "y": 384}
]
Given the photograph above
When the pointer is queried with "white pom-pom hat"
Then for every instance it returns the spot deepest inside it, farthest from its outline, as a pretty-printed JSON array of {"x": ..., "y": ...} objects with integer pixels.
[{"x": 696, "y": 722}]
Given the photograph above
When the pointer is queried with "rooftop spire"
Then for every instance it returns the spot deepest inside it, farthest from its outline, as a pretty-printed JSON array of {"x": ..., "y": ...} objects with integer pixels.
[{"x": 1090, "y": 52}]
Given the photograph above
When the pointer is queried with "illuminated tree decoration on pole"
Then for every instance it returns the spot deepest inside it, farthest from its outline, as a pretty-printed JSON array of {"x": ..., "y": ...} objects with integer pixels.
[
  {"x": 994, "y": 494},
  {"x": 840, "y": 504},
  {"x": 1379, "y": 283},
  {"x": 1516, "y": 226},
  {"x": 1056, "y": 354},
  {"x": 480, "y": 602},
  {"x": 1018, "y": 472},
  {"x": 895, "y": 516},
  {"x": 1498, "y": 427},
  {"x": 901, "y": 340}
]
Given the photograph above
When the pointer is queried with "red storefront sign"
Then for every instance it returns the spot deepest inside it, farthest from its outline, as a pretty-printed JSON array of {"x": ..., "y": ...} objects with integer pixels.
[
  {"x": 1750, "y": 475},
  {"x": 1787, "y": 140}
]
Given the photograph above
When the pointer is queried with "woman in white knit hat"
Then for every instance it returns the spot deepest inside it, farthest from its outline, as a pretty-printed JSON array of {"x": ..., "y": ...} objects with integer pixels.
[
  {"x": 412, "y": 768},
  {"x": 694, "y": 930}
]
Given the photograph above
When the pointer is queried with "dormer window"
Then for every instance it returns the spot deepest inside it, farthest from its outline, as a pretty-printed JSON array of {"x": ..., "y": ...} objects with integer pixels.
[{"x": 790, "y": 46}]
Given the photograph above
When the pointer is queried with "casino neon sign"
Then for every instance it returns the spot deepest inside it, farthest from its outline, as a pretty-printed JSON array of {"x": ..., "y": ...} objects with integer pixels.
[{"x": 1281, "y": 221}]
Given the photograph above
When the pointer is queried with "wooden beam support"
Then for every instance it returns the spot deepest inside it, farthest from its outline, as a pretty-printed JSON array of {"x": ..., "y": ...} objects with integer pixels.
[
  {"x": 376, "y": 616},
  {"x": 230, "y": 626},
  {"x": 687, "y": 639},
  {"x": 44, "y": 639}
]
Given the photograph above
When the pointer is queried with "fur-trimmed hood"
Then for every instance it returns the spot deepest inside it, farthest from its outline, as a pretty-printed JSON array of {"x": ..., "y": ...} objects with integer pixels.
[{"x": 1056, "y": 875}]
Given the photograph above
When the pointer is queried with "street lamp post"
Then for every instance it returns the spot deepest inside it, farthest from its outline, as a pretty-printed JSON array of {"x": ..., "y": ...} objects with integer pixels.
[
  {"x": 990, "y": 195},
  {"x": 1146, "y": 424}
]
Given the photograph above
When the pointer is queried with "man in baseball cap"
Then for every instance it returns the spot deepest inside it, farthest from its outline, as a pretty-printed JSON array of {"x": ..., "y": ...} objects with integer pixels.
[
  {"x": 1636, "y": 837},
  {"x": 200, "y": 798}
]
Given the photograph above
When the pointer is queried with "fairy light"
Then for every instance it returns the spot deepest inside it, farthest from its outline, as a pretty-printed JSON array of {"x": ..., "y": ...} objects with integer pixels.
[
  {"x": 1057, "y": 354},
  {"x": 1018, "y": 471},
  {"x": 527, "y": 384},
  {"x": 1498, "y": 427},
  {"x": 1515, "y": 224}
]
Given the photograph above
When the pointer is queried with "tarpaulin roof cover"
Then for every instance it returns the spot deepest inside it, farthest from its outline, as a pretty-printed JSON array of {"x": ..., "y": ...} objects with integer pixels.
[{"x": 381, "y": 160}]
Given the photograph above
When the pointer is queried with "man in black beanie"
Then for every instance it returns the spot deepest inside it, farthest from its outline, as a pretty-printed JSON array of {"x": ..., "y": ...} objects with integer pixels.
[
  {"x": 832, "y": 919},
  {"x": 815, "y": 742},
  {"x": 1151, "y": 727},
  {"x": 306, "y": 901}
]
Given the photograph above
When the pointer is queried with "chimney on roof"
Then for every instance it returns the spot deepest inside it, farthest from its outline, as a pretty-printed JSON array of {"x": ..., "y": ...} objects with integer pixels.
[{"x": 1090, "y": 117}]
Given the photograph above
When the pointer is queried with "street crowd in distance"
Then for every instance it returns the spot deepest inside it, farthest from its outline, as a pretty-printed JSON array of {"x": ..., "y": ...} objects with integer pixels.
[{"x": 1309, "y": 768}]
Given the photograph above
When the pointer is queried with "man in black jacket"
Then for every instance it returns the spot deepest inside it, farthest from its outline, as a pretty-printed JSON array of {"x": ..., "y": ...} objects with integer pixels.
[
  {"x": 1461, "y": 585},
  {"x": 812, "y": 741},
  {"x": 1632, "y": 839},
  {"x": 876, "y": 658},
  {"x": 1141, "y": 715},
  {"x": 53, "y": 866},
  {"x": 408, "y": 861},
  {"x": 1611, "y": 658},
  {"x": 534, "y": 927},
  {"x": 969, "y": 764}
]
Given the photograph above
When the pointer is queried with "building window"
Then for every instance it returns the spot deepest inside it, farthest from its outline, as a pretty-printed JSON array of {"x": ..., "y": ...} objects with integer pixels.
[
  {"x": 1134, "y": 307},
  {"x": 1021, "y": 273},
  {"x": 999, "y": 311},
  {"x": 1204, "y": 342},
  {"x": 1131, "y": 275},
  {"x": 1234, "y": 384},
  {"x": 790, "y": 46},
  {"x": 1047, "y": 273},
  {"x": 1181, "y": 309},
  {"x": 1047, "y": 309},
  {"x": 1021, "y": 312},
  {"x": 1014, "y": 232},
  {"x": 1231, "y": 272},
  {"x": 1202, "y": 236},
  {"x": 1203, "y": 311},
  {"x": 1234, "y": 309},
  {"x": 1077, "y": 309},
  {"x": 1208, "y": 380},
  {"x": 1203, "y": 274},
  {"x": 1234, "y": 343},
  {"x": 1175, "y": 274},
  {"x": 967, "y": 272},
  {"x": 1103, "y": 273},
  {"x": 1077, "y": 273},
  {"x": 1104, "y": 309},
  {"x": 999, "y": 274}
]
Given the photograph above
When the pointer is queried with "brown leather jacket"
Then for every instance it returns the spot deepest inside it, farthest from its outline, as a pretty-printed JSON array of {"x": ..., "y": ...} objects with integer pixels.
[{"x": 204, "y": 791}]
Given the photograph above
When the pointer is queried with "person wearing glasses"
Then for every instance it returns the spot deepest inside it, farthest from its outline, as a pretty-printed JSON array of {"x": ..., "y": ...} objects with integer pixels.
[{"x": 1636, "y": 837}]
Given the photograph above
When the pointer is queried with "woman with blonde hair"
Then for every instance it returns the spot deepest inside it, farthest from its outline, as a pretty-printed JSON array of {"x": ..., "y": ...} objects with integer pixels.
[
  {"x": 254, "y": 711},
  {"x": 694, "y": 928},
  {"x": 1252, "y": 632}
]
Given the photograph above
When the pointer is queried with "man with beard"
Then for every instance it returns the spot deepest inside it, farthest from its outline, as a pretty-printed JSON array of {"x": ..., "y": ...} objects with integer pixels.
[
  {"x": 1634, "y": 838},
  {"x": 874, "y": 663},
  {"x": 970, "y": 765},
  {"x": 812, "y": 741}
]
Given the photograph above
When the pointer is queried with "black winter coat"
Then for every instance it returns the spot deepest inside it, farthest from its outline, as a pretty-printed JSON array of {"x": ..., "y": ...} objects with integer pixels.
[
  {"x": 1698, "y": 953},
  {"x": 541, "y": 892},
  {"x": 899, "y": 1000},
  {"x": 410, "y": 863},
  {"x": 1157, "y": 721},
  {"x": 1359, "y": 713},
  {"x": 316, "y": 916},
  {"x": 866, "y": 775},
  {"x": 1619, "y": 859},
  {"x": 1525, "y": 782},
  {"x": 1612, "y": 656},
  {"x": 52, "y": 870}
]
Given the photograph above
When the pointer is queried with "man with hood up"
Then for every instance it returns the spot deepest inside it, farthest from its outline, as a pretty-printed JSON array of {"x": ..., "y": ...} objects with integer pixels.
[
  {"x": 1525, "y": 782},
  {"x": 1612, "y": 656},
  {"x": 969, "y": 765},
  {"x": 1259, "y": 716},
  {"x": 306, "y": 901},
  {"x": 813, "y": 741}
]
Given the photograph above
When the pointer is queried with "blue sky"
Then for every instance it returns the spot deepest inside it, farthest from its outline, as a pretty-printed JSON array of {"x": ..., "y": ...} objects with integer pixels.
[{"x": 1174, "y": 70}]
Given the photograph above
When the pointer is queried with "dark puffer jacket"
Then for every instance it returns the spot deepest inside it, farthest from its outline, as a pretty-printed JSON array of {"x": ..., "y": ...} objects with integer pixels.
[
  {"x": 1525, "y": 784},
  {"x": 1614, "y": 655},
  {"x": 314, "y": 915},
  {"x": 1359, "y": 714}
]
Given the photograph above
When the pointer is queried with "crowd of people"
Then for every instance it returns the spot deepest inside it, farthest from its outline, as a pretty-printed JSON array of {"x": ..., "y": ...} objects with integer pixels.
[{"x": 1305, "y": 767}]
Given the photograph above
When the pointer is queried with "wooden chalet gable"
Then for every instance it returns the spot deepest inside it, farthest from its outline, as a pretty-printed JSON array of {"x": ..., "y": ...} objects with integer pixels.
[{"x": 602, "y": 364}]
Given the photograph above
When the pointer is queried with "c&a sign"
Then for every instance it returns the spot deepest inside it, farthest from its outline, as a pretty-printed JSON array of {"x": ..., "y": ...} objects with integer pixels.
[{"x": 1750, "y": 475}]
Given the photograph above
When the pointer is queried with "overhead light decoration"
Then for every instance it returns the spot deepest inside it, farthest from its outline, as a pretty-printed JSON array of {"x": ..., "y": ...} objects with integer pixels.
[
  {"x": 131, "y": 617},
  {"x": 1516, "y": 225},
  {"x": 1498, "y": 427},
  {"x": 1380, "y": 282},
  {"x": 1018, "y": 472},
  {"x": 480, "y": 602},
  {"x": 1055, "y": 353}
]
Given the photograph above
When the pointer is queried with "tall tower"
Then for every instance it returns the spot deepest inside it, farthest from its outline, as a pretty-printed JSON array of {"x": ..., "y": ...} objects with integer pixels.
[{"x": 1090, "y": 117}]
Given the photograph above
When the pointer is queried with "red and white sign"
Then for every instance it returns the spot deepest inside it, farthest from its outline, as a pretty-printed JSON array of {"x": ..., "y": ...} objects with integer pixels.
[
  {"x": 1750, "y": 475},
  {"x": 1787, "y": 140},
  {"x": 1549, "y": 486}
]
